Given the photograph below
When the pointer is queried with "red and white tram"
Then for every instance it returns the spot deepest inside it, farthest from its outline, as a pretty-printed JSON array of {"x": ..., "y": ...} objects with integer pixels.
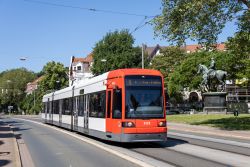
[{"x": 125, "y": 105}]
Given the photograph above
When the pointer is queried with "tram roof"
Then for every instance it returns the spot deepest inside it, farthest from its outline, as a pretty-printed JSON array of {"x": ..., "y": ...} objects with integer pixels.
[
  {"x": 104, "y": 76},
  {"x": 133, "y": 71}
]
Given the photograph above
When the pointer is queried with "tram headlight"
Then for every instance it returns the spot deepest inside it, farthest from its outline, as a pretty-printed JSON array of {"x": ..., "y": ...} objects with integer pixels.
[
  {"x": 162, "y": 123},
  {"x": 128, "y": 124}
]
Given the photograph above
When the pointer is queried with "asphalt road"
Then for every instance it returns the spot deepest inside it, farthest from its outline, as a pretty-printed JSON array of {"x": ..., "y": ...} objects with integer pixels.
[{"x": 49, "y": 147}]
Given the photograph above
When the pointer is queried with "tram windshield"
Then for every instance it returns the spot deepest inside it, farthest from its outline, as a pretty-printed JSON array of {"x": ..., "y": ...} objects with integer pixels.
[{"x": 144, "y": 97}]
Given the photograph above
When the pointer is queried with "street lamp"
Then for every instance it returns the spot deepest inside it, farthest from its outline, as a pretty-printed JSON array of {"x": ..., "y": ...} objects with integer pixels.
[
  {"x": 7, "y": 91},
  {"x": 23, "y": 58},
  {"x": 142, "y": 56},
  {"x": 57, "y": 84},
  {"x": 104, "y": 61}
]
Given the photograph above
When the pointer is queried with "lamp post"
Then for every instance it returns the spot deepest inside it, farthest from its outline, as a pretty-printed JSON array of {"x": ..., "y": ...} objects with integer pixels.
[
  {"x": 23, "y": 58},
  {"x": 57, "y": 84},
  {"x": 7, "y": 91},
  {"x": 35, "y": 98},
  {"x": 104, "y": 61},
  {"x": 142, "y": 56}
]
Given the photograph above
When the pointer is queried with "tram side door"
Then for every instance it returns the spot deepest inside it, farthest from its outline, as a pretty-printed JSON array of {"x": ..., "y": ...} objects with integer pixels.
[
  {"x": 46, "y": 110},
  {"x": 109, "y": 112},
  {"x": 86, "y": 113},
  {"x": 50, "y": 111},
  {"x": 75, "y": 112},
  {"x": 114, "y": 113},
  {"x": 60, "y": 112}
]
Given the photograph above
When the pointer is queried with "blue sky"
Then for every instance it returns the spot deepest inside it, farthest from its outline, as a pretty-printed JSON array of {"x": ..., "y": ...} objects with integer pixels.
[{"x": 44, "y": 33}]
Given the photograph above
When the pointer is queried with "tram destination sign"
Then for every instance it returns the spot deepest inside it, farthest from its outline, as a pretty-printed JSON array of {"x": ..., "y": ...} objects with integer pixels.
[{"x": 143, "y": 82}]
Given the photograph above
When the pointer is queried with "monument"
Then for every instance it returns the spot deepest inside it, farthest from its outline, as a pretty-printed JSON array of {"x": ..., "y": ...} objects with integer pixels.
[{"x": 213, "y": 88}]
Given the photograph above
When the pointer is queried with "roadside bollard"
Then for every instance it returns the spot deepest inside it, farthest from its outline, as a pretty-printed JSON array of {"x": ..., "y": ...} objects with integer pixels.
[{"x": 236, "y": 113}]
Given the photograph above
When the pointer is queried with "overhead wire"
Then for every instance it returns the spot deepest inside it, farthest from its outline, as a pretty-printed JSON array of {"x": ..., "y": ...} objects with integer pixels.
[
  {"x": 141, "y": 24},
  {"x": 88, "y": 9}
]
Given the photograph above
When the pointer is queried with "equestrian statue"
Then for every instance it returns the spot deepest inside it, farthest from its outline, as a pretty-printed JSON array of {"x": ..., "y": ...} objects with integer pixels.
[{"x": 209, "y": 75}]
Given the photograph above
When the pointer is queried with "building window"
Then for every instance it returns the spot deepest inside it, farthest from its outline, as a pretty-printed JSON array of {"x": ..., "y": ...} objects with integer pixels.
[{"x": 79, "y": 68}]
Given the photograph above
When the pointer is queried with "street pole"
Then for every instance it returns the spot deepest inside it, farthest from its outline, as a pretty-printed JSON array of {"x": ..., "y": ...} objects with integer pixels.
[
  {"x": 34, "y": 101},
  {"x": 142, "y": 56}
]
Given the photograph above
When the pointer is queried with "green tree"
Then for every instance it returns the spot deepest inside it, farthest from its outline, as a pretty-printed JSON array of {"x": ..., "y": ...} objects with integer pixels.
[
  {"x": 55, "y": 77},
  {"x": 185, "y": 75},
  {"x": 200, "y": 20},
  {"x": 32, "y": 103},
  {"x": 239, "y": 46},
  {"x": 170, "y": 58},
  {"x": 115, "y": 51},
  {"x": 13, "y": 84}
]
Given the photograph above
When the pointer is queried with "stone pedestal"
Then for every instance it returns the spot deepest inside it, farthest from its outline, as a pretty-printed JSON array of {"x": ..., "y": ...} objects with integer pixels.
[{"x": 214, "y": 102}]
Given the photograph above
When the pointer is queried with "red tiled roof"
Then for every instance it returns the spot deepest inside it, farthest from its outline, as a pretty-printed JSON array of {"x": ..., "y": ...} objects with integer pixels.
[
  {"x": 37, "y": 80},
  {"x": 194, "y": 48},
  {"x": 87, "y": 59},
  {"x": 78, "y": 60},
  {"x": 221, "y": 46}
]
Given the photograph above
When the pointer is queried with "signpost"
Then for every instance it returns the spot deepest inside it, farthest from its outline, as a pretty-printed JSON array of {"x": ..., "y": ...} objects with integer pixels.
[{"x": 9, "y": 109}]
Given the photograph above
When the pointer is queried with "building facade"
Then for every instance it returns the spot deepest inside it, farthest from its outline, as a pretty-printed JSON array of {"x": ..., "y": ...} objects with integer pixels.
[
  {"x": 32, "y": 86},
  {"x": 80, "y": 68},
  {"x": 156, "y": 50}
]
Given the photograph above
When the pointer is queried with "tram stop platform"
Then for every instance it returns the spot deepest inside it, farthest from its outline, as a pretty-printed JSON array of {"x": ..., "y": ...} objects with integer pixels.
[{"x": 9, "y": 153}]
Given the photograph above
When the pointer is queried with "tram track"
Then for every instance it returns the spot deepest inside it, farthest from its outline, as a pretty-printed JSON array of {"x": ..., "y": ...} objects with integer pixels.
[
  {"x": 176, "y": 158},
  {"x": 214, "y": 145}
]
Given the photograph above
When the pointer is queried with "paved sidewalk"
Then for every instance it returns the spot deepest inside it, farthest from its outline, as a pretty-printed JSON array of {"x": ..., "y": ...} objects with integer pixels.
[
  {"x": 209, "y": 130},
  {"x": 9, "y": 154}
]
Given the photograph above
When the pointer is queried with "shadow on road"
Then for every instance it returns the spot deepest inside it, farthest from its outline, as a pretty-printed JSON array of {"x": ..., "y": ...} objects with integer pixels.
[
  {"x": 15, "y": 127},
  {"x": 171, "y": 142},
  {"x": 6, "y": 135},
  {"x": 4, "y": 162},
  {"x": 4, "y": 153}
]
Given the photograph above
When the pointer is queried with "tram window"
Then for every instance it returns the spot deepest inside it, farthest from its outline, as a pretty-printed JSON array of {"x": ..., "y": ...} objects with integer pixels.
[
  {"x": 67, "y": 104},
  {"x": 81, "y": 106},
  {"x": 109, "y": 104},
  {"x": 63, "y": 108},
  {"x": 97, "y": 104},
  {"x": 74, "y": 105},
  {"x": 56, "y": 107},
  {"x": 47, "y": 107},
  {"x": 60, "y": 106},
  {"x": 117, "y": 104},
  {"x": 50, "y": 107},
  {"x": 43, "y": 109},
  {"x": 70, "y": 105}
]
